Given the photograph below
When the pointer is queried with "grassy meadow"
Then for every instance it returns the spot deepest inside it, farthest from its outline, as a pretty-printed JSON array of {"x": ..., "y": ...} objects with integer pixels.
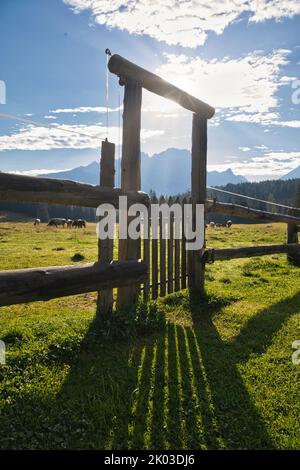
[{"x": 180, "y": 373}]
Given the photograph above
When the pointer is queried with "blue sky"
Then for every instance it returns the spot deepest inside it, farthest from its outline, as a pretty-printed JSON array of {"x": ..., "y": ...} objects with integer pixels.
[{"x": 243, "y": 57}]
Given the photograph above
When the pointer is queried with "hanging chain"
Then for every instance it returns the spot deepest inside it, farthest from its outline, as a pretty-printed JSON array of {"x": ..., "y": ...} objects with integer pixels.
[{"x": 108, "y": 54}]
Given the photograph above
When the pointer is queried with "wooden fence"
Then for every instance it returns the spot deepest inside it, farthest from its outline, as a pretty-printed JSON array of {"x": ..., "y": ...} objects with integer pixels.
[
  {"x": 167, "y": 266},
  {"x": 170, "y": 264}
]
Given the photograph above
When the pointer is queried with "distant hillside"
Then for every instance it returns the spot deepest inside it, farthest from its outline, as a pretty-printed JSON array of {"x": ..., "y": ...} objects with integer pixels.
[
  {"x": 280, "y": 191},
  {"x": 167, "y": 172},
  {"x": 295, "y": 173},
  {"x": 85, "y": 174}
]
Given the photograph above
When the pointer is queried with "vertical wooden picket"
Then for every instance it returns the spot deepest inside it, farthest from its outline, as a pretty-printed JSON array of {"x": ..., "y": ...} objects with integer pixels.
[
  {"x": 183, "y": 249},
  {"x": 154, "y": 258},
  {"x": 170, "y": 249},
  {"x": 177, "y": 259},
  {"x": 146, "y": 256},
  {"x": 162, "y": 252}
]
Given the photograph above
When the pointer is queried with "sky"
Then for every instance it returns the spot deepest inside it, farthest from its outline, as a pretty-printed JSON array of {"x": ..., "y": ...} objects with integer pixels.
[{"x": 242, "y": 57}]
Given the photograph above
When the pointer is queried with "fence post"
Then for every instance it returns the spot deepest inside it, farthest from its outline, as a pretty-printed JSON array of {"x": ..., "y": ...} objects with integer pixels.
[
  {"x": 130, "y": 176},
  {"x": 198, "y": 187},
  {"x": 292, "y": 237},
  {"x": 106, "y": 247}
]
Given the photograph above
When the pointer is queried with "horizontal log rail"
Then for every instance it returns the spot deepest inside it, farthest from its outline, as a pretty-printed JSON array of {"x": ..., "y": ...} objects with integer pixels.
[
  {"x": 21, "y": 188},
  {"x": 127, "y": 70},
  {"x": 248, "y": 213},
  {"x": 211, "y": 255},
  {"x": 35, "y": 284}
]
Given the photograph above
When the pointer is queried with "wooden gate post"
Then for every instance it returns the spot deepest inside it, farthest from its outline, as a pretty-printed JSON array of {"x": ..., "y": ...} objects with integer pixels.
[
  {"x": 292, "y": 237},
  {"x": 198, "y": 187},
  {"x": 130, "y": 176},
  {"x": 106, "y": 247}
]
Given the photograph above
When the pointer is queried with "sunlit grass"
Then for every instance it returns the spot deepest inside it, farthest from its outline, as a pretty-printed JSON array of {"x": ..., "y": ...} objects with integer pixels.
[{"x": 188, "y": 374}]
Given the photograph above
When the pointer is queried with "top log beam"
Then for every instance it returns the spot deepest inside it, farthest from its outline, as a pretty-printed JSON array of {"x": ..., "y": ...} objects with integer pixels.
[
  {"x": 129, "y": 71},
  {"x": 52, "y": 191}
]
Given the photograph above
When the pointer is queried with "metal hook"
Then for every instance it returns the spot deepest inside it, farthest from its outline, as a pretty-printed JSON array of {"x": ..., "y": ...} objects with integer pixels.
[{"x": 107, "y": 52}]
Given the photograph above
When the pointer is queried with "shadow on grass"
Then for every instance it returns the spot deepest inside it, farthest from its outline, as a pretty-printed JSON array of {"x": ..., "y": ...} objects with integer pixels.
[{"x": 175, "y": 387}]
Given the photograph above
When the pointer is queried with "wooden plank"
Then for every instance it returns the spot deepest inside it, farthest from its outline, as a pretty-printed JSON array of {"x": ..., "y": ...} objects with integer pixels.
[
  {"x": 177, "y": 260},
  {"x": 170, "y": 249},
  {"x": 45, "y": 283},
  {"x": 106, "y": 247},
  {"x": 190, "y": 260},
  {"x": 130, "y": 176},
  {"x": 249, "y": 251},
  {"x": 199, "y": 176},
  {"x": 154, "y": 258},
  {"x": 127, "y": 70},
  {"x": 21, "y": 188},
  {"x": 162, "y": 252},
  {"x": 248, "y": 213},
  {"x": 183, "y": 249},
  {"x": 146, "y": 255}
]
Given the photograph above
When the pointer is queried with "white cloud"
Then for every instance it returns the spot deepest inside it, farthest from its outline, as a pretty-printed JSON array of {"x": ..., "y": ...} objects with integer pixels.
[
  {"x": 261, "y": 147},
  {"x": 85, "y": 109},
  {"x": 49, "y": 117},
  {"x": 244, "y": 149},
  {"x": 37, "y": 171},
  {"x": 186, "y": 23},
  {"x": 274, "y": 164},
  {"x": 265, "y": 119},
  {"x": 247, "y": 84},
  {"x": 275, "y": 9},
  {"x": 295, "y": 124},
  {"x": 65, "y": 136}
]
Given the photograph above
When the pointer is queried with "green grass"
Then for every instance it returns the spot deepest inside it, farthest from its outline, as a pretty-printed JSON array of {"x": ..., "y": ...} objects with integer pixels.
[{"x": 179, "y": 374}]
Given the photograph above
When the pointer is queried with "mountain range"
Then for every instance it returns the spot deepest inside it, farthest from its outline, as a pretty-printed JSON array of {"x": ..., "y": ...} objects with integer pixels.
[
  {"x": 295, "y": 173},
  {"x": 167, "y": 172}
]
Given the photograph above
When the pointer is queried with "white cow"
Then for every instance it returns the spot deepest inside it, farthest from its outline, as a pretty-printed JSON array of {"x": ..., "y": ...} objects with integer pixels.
[{"x": 37, "y": 222}]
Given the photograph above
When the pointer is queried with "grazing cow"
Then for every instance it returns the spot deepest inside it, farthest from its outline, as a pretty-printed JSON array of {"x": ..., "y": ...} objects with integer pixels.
[
  {"x": 37, "y": 222},
  {"x": 57, "y": 222},
  {"x": 69, "y": 223},
  {"x": 79, "y": 223},
  {"x": 212, "y": 224},
  {"x": 229, "y": 223}
]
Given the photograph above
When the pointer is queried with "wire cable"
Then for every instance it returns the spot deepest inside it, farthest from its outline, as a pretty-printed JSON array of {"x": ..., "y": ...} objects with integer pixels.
[
  {"x": 108, "y": 55},
  {"x": 12, "y": 117},
  {"x": 119, "y": 141}
]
